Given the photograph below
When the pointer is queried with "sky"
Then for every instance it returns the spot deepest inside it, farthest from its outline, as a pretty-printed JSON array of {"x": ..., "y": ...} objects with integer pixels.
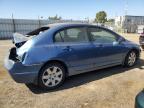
[{"x": 69, "y": 9}]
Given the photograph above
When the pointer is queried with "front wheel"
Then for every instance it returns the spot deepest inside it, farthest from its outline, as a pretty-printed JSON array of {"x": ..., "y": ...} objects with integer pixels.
[
  {"x": 131, "y": 59},
  {"x": 51, "y": 76}
]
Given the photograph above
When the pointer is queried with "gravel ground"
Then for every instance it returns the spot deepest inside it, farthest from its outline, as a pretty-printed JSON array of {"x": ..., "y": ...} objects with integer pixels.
[{"x": 114, "y": 87}]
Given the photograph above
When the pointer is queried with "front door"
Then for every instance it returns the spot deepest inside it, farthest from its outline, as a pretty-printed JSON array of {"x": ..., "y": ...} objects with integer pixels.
[{"x": 106, "y": 43}]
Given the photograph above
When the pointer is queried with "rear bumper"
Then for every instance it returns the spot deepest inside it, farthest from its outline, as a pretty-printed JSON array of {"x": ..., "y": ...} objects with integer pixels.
[{"x": 21, "y": 73}]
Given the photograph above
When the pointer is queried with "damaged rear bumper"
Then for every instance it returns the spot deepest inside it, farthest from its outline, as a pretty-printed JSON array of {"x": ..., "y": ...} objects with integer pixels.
[{"x": 21, "y": 73}]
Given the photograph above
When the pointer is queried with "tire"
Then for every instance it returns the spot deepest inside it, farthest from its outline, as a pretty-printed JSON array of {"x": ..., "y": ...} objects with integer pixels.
[
  {"x": 51, "y": 76},
  {"x": 131, "y": 59}
]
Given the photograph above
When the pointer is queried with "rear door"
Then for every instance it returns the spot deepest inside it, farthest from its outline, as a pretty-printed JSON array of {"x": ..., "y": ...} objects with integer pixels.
[
  {"x": 106, "y": 43},
  {"x": 75, "y": 48}
]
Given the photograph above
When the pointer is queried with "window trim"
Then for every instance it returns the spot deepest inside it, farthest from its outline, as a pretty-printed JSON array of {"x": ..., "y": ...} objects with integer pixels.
[{"x": 65, "y": 28}]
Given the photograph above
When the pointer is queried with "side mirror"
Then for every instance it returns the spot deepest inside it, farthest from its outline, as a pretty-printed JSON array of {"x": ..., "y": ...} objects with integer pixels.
[
  {"x": 120, "y": 40},
  {"x": 115, "y": 43}
]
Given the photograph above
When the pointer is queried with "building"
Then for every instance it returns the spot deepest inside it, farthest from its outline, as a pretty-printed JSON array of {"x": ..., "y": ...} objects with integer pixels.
[{"x": 129, "y": 23}]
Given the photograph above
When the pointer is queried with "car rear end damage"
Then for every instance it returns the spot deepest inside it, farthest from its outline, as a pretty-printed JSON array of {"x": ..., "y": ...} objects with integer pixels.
[
  {"x": 14, "y": 61},
  {"x": 19, "y": 72}
]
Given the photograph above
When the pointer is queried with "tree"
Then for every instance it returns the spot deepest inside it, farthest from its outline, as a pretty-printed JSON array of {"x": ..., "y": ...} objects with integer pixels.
[
  {"x": 56, "y": 17},
  {"x": 101, "y": 17}
]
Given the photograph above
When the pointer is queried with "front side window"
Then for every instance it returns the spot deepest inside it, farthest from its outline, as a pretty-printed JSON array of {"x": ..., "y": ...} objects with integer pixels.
[
  {"x": 72, "y": 35},
  {"x": 100, "y": 35}
]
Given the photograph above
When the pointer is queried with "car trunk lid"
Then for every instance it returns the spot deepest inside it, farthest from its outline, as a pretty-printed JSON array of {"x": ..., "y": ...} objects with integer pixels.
[{"x": 19, "y": 39}]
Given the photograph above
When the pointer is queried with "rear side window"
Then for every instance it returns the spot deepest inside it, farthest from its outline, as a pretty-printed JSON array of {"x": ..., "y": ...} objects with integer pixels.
[
  {"x": 72, "y": 35},
  {"x": 100, "y": 35},
  {"x": 59, "y": 36}
]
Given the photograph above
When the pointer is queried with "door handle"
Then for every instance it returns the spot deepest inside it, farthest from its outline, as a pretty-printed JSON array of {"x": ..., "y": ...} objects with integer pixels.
[
  {"x": 67, "y": 48},
  {"x": 100, "y": 45}
]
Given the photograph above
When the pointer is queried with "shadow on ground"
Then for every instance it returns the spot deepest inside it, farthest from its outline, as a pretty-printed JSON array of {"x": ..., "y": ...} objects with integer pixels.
[{"x": 81, "y": 79}]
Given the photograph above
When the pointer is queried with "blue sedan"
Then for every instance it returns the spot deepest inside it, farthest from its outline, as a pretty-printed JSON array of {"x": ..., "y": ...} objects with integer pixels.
[{"x": 46, "y": 56}]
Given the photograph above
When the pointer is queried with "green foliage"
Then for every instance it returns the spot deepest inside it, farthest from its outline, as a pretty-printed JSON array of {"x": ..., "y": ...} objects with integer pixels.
[
  {"x": 56, "y": 17},
  {"x": 101, "y": 17}
]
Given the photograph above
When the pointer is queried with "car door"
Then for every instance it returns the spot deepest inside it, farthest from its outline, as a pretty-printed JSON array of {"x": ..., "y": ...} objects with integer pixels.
[
  {"x": 75, "y": 48},
  {"x": 106, "y": 43}
]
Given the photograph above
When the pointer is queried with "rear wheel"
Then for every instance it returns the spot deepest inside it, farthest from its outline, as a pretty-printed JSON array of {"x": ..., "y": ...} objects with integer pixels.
[
  {"x": 131, "y": 59},
  {"x": 51, "y": 76}
]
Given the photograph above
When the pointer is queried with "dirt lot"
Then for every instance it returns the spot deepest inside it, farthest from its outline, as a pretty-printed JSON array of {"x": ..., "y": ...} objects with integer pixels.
[{"x": 108, "y": 88}]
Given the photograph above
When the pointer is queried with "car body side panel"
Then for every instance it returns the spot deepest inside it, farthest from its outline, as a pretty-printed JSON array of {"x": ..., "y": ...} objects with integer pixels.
[
  {"x": 42, "y": 54},
  {"x": 111, "y": 54},
  {"x": 75, "y": 61},
  {"x": 79, "y": 59},
  {"x": 78, "y": 56}
]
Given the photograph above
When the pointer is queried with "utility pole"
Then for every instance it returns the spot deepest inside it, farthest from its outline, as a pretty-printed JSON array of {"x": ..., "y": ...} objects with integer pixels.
[
  {"x": 126, "y": 7},
  {"x": 126, "y": 12},
  {"x": 13, "y": 21},
  {"x": 39, "y": 24}
]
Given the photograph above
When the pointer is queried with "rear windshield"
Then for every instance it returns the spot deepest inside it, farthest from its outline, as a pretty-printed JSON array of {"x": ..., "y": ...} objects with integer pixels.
[{"x": 38, "y": 31}]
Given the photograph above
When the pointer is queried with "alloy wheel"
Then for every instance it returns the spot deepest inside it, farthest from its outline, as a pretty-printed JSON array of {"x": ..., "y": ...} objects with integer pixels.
[
  {"x": 131, "y": 58},
  {"x": 52, "y": 76}
]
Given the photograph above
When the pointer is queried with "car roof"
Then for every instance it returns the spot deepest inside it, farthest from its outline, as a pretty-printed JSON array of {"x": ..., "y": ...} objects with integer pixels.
[
  {"x": 56, "y": 26},
  {"x": 67, "y": 25}
]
